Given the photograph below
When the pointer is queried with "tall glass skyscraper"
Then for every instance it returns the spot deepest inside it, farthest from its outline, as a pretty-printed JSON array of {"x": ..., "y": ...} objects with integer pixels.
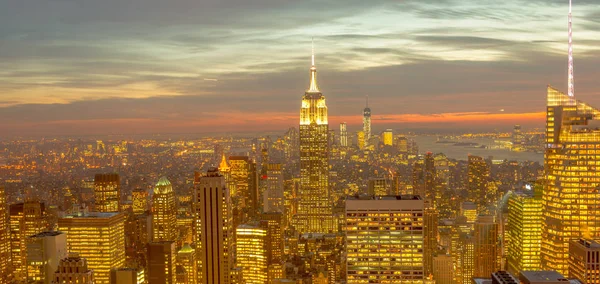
[
  {"x": 314, "y": 205},
  {"x": 571, "y": 200}
]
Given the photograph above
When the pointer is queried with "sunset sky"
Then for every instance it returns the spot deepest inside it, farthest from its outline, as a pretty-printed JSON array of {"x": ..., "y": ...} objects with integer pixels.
[{"x": 189, "y": 66}]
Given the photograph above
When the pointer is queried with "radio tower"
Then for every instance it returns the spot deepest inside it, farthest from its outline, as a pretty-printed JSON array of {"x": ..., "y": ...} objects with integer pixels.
[{"x": 571, "y": 83}]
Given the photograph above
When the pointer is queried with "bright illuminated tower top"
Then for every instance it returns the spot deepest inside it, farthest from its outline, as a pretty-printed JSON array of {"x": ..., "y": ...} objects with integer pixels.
[{"x": 571, "y": 79}]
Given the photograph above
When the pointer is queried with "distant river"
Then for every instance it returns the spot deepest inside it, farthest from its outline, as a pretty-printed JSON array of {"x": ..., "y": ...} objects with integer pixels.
[{"x": 427, "y": 144}]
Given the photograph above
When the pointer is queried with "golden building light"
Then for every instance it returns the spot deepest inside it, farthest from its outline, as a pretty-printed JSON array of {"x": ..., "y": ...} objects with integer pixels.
[
  {"x": 571, "y": 202},
  {"x": 107, "y": 192},
  {"x": 74, "y": 270},
  {"x": 213, "y": 232},
  {"x": 387, "y": 137},
  {"x": 367, "y": 123},
  {"x": 164, "y": 212},
  {"x": 384, "y": 239},
  {"x": 139, "y": 198},
  {"x": 478, "y": 177},
  {"x": 186, "y": 257},
  {"x": 245, "y": 176},
  {"x": 273, "y": 197},
  {"x": 26, "y": 219},
  {"x": 524, "y": 232},
  {"x": 314, "y": 213},
  {"x": 162, "y": 261},
  {"x": 251, "y": 252},
  {"x": 99, "y": 237},
  {"x": 5, "y": 253},
  {"x": 584, "y": 261},
  {"x": 44, "y": 252},
  {"x": 343, "y": 135},
  {"x": 487, "y": 246}
]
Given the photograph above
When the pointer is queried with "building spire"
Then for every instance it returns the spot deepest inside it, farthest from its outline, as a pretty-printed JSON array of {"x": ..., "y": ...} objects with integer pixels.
[
  {"x": 313, "y": 88},
  {"x": 367, "y": 101},
  {"x": 313, "y": 52},
  {"x": 571, "y": 79}
]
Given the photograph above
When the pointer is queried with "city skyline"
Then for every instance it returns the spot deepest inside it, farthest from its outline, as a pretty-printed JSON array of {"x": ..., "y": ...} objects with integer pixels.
[{"x": 67, "y": 77}]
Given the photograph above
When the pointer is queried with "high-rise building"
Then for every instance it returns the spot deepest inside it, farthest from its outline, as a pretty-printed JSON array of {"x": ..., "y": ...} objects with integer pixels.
[
  {"x": 251, "y": 252},
  {"x": 44, "y": 252},
  {"x": 244, "y": 174},
  {"x": 360, "y": 140},
  {"x": 478, "y": 177},
  {"x": 5, "y": 256},
  {"x": 164, "y": 212},
  {"x": 107, "y": 192},
  {"x": 384, "y": 239},
  {"x": 430, "y": 236},
  {"x": 465, "y": 262},
  {"x": 443, "y": 269},
  {"x": 213, "y": 231},
  {"x": 74, "y": 270},
  {"x": 378, "y": 186},
  {"x": 273, "y": 195},
  {"x": 367, "y": 122},
  {"x": 274, "y": 224},
  {"x": 315, "y": 214},
  {"x": 487, "y": 246},
  {"x": 518, "y": 139},
  {"x": 26, "y": 219},
  {"x": 429, "y": 179},
  {"x": 139, "y": 198},
  {"x": 99, "y": 237},
  {"x": 584, "y": 261},
  {"x": 387, "y": 137},
  {"x": 162, "y": 261},
  {"x": 186, "y": 257},
  {"x": 524, "y": 232},
  {"x": 402, "y": 145},
  {"x": 126, "y": 275},
  {"x": 570, "y": 199},
  {"x": 343, "y": 135}
]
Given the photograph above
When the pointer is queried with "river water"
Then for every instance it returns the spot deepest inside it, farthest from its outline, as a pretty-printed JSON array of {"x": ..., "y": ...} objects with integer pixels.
[{"x": 428, "y": 144}]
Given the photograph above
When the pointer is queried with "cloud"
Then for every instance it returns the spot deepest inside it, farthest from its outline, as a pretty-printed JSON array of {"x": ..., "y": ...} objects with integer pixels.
[{"x": 142, "y": 61}]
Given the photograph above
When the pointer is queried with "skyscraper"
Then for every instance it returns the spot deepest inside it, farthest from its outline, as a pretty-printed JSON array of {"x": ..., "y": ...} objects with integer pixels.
[
  {"x": 26, "y": 219},
  {"x": 487, "y": 246},
  {"x": 387, "y": 137},
  {"x": 367, "y": 122},
  {"x": 378, "y": 186},
  {"x": 571, "y": 200},
  {"x": 213, "y": 231},
  {"x": 44, "y": 252},
  {"x": 384, "y": 239},
  {"x": 273, "y": 195},
  {"x": 162, "y": 262},
  {"x": 139, "y": 198},
  {"x": 251, "y": 252},
  {"x": 478, "y": 177},
  {"x": 5, "y": 257},
  {"x": 74, "y": 270},
  {"x": 107, "y": 192},
  {"x": 343, "y": 135},
  {"x": 245, "y": 176},
  {"x": 584, "y": 261},
  {"x": 99, "y": 237},
  {"x": 315, "y": 213},
  {"x": 164, "y": 212},
  {"x": 186, "y": 257},
  {"x": 524, "y": 232},
  {"x": 430, "y": 233}
]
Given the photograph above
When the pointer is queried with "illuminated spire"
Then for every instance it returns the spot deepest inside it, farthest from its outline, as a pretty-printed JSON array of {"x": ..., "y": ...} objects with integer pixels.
[
  {"x": 571, "y": 79},
  {"x": 223, "y": 167},
  {"x": 313, "y": 88}
]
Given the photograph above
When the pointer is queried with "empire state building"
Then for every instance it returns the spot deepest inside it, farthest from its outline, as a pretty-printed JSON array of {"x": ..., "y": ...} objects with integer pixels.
[{"x": 314, "y": 213}]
